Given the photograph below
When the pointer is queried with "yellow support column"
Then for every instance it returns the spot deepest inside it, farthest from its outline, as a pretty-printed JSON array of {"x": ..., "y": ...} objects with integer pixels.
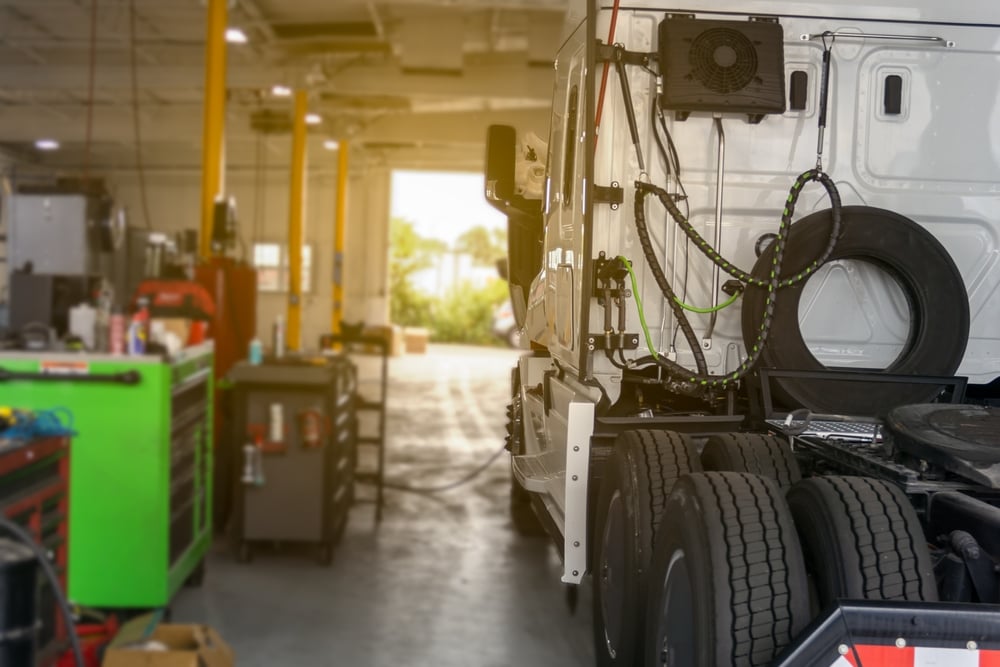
[
  {"x": 213, "y": 158},
  {"x": 296, "y": 216},
  {"x": 340, "y": 224}
]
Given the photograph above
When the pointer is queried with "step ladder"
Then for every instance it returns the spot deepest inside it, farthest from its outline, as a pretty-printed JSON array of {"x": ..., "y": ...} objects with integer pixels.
[{"x": 376, "y": 405}]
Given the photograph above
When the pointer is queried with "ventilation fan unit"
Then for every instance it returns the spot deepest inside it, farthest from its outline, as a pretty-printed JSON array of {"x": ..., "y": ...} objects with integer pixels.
[{"x": 722, "y": 66}]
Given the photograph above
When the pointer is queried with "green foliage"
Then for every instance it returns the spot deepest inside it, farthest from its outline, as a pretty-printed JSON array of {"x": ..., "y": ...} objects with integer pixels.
[
  {"x": 485, "y": 246},
  {"x": 465, "y": 314},
  {"x": 410, "y": 253}
]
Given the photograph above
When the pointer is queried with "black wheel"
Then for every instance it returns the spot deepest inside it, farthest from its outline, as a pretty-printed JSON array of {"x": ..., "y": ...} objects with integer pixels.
[
  {"x": 324, "y": 555},
  {"x": 638, "y": 478},
  {"x": 753, "y": 453},
  {"x": 197, "y": 576},
  {"x": 861, "y": 540},
  {"x": 522, "y": 514},
  {"x": 727, "y": 583},
  {"x": 244, "y": 552},
  {"x": 931, "y": 284}
]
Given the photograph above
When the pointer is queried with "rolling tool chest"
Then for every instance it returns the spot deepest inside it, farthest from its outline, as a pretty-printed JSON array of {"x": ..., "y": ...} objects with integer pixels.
[
  {"x": 34, "y": 477},
  {"x": 295, "y": 419},
  {"x": 141, "y": 471}
]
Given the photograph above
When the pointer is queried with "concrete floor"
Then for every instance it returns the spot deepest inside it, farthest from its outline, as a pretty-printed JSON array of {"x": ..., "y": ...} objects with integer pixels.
[{"x": 444, "y": 581}]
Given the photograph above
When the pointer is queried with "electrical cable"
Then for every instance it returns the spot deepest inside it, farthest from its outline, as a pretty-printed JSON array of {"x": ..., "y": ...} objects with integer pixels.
[
  {"x": 604, "y": 74},
  {"x": 712, "y": 309},
  {"x": 50, "y": 573},
  {"x": 136, "y": 124},
  {"x": 461, "y": 481},
  {"x": 638, "y": 303},
  {"x": 91, "y": 82}
]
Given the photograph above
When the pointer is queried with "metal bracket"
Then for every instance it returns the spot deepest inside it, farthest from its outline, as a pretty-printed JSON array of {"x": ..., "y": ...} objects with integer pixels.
[
  {"x": 579, "y": 429},
  {"x": 614, "y": 341},
  {"x": 612, "y": 194},
  {"x": 610, "y": 53}
]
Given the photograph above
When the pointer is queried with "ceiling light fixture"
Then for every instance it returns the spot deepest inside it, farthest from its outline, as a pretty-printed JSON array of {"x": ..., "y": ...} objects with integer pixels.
[
  {"x": 47, "y": 145},
  {"x": 236, "y": 36},
  {"x": 313, "y": 119},
  {"x": 331, "y": 145},
  {"x": 281, "y": 91}
]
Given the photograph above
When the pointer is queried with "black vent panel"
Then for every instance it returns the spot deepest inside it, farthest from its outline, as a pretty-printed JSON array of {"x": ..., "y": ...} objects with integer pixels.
[{"x": 722, "y": 66}]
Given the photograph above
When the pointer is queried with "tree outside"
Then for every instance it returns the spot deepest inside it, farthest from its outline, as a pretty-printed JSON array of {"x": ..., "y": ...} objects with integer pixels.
[{"x": 463, "y": 312}]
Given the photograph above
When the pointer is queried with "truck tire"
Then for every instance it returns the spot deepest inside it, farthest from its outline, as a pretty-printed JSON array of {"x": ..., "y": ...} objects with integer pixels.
[
  {"x": 727, "y": 584},
  {"x": 862, "y": 540},
  {"x": 522, "y": 514},
  {"x": 934, "y": 289},
  {"x": 638, "y": 478},
  {"x": 754, "y": 453}
]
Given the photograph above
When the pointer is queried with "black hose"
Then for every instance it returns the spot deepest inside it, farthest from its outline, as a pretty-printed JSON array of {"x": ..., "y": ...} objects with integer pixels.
[
  {"x": 50, "y": 574},
  {"x": 465, "y": 479},
  {"x": 684, "y": 380},
  {"x": 661, "y": 280}
]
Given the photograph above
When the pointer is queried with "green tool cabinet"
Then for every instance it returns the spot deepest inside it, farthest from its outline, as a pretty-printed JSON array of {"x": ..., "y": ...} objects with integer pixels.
[{"x": 141, "y": 466}]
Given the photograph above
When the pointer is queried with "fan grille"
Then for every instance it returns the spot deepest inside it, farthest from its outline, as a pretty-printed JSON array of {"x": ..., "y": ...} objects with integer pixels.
[{"x": 723, "y": 60}]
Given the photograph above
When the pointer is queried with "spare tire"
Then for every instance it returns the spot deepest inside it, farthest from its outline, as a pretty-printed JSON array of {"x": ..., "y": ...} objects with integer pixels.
[{"x": 931, "y": 284}]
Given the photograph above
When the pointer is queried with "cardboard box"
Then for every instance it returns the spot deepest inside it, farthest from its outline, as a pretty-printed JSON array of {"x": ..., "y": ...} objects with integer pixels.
[
  {"x": 416, "y": 340},
  {"x": 173, "y": 646}
]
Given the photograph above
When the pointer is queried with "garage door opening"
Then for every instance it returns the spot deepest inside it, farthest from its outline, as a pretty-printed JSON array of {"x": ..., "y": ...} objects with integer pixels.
[{"x": 445, "y": 242}]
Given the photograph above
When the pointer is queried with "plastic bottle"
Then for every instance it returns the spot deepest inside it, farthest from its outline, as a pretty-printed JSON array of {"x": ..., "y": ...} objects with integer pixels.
[
  {"x": 256, "y": 353},
  {"x": 138, "y": 330},
  {"x": 116, "y": 333},
  {"x": 279, "y": 337}
]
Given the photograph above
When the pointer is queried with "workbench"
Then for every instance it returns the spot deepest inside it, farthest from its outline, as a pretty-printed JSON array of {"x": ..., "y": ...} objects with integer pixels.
[{"x": 141, "y": 470}]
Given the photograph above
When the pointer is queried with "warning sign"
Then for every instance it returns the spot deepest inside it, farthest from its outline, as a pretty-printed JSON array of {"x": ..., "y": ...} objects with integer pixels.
[{"x": 64, "y": 367}]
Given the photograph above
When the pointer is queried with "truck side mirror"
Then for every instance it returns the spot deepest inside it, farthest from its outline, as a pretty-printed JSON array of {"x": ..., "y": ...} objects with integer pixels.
[{"x": 501, "y": 153}]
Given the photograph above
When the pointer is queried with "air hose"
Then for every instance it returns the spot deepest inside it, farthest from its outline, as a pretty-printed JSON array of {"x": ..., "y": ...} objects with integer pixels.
[
  {"x": 653, "y": 262},
  {"x": 701, "y": 381}
]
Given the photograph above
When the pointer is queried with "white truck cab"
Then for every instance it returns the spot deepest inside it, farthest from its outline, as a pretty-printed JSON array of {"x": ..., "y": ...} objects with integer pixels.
[{"x": 753, "y": 215}]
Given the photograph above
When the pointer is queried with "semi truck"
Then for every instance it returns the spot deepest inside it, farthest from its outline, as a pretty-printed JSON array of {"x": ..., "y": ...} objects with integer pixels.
[{"x": 756, "y": 267}]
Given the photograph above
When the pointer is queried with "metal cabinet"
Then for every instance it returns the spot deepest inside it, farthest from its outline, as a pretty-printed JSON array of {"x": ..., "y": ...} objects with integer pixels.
[
  {"x": 295, "y": 422},
  {"x": 141, "y": 470}
]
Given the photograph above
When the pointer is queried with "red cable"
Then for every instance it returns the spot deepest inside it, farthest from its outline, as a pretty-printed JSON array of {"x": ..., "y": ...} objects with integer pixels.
[{"x": 604, "y": 74}]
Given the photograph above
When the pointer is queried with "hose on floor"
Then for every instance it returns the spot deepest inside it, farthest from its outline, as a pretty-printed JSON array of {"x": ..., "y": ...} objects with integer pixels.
[{"x": 461, "y": 481}]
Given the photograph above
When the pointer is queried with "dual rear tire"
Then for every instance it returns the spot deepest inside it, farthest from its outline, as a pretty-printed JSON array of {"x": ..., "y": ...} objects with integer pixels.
[{"x": 697, "y": 568}]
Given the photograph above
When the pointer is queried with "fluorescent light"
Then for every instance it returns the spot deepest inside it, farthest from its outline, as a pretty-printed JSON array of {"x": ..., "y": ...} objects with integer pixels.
[
  {"x": 47, "y": 145},
  {"x": 281, "y": 91},
  {"x": 313, "y": 119},
  {"x": 236, "y": 36},
  {"x": 331, "y": 145}
]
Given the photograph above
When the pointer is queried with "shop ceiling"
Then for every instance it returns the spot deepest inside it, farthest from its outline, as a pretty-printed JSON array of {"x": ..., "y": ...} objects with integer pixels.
[{"x": 398, "y": 78}]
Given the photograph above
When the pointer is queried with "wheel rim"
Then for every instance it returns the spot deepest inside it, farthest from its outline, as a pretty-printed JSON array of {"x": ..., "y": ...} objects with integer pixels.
[
  {"x": 675, "y": 631},
  {"x": 612, "y": 574}
]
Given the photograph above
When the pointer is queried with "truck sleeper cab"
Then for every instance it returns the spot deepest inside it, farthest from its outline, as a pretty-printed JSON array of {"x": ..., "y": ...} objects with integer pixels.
[{"x": 761, "y": 288}]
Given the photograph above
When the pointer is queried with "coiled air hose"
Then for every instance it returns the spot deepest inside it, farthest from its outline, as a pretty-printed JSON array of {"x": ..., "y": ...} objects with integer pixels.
[{"x": 698, "y": 382}]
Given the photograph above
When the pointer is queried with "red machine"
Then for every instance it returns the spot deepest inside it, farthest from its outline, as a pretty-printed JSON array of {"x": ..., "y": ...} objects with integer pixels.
[{"x": 233, "y": 287}]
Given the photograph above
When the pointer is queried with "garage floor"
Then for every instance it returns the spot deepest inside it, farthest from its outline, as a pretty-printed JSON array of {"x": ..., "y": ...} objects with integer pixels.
[{"x": 444, "y": 581}]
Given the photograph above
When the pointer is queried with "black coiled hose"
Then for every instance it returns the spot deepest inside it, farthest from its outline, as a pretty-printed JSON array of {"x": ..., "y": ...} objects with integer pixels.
[
  {"x": 653, "y": 262},
  {"x": 690, "y": 382}
]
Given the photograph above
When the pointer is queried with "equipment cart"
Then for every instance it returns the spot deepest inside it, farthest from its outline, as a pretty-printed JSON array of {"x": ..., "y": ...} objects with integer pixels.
[{"x": 295, "y": 419}]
